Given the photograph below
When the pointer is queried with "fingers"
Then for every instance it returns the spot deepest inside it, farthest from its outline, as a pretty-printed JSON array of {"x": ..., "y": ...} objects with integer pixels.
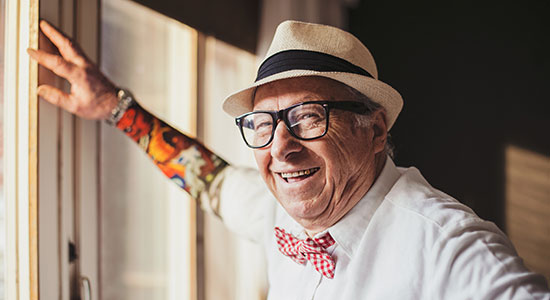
[
  {"x": 55, "y": 96},
  {"x": 55, "y": 63},
  {"x": 69, "y": 50}
]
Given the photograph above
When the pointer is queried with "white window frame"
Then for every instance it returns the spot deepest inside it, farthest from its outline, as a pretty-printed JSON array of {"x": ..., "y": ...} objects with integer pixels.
[{"x": 21, "y": 147}]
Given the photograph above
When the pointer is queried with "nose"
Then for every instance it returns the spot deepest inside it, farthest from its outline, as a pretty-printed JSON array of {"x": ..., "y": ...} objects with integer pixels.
[{"x": 284, "y": 144}]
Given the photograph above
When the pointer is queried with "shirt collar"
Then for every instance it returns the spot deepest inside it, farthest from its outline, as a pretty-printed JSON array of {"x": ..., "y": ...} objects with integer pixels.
[{"x": 348, "y": 231}]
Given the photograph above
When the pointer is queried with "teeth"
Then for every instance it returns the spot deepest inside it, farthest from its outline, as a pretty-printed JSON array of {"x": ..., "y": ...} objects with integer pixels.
[{"x": 299, "y": 173}]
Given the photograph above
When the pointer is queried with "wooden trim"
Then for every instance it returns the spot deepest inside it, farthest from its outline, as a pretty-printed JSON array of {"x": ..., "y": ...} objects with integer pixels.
[
  {"x": 33, "y": 152},
  {"x": 192, "y": 249},
  {"x": 192, "y": 126},
  {"x": 20, "y": 116},
  {"x": 199, "y": 214},
  {"x": 193, "y": 285},
  {"x": 192, "y": 130}
]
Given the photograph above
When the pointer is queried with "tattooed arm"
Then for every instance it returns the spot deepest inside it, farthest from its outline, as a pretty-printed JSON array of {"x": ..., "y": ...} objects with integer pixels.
[{"x": 182, "y": 159}]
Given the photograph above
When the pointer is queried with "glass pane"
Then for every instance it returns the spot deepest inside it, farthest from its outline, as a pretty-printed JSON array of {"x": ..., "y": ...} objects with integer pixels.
[
  {"x": 145, "y": 218},
  {"x": 239, "y": 271},
  {"x": 2, "y": 202}
]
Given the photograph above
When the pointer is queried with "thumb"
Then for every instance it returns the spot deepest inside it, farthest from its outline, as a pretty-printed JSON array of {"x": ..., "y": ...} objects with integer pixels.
[{"x": 56, "y": 97}]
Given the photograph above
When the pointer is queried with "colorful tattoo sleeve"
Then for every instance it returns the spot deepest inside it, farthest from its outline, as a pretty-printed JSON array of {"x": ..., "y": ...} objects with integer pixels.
[{"x": 182, "y": 159}]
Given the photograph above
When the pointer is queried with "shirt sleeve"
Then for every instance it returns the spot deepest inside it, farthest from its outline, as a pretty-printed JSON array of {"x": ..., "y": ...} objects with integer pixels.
[
  {"x": 475, "y": 260},
  {"x": 246, "y": 206}
]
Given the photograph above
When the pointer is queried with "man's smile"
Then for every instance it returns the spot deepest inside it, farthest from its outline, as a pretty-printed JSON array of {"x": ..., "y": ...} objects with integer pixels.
[{"x": 298, "y": 175}]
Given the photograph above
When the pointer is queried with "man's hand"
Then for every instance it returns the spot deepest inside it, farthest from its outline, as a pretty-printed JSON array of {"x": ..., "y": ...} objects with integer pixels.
[{"x": 92, "y": 95}]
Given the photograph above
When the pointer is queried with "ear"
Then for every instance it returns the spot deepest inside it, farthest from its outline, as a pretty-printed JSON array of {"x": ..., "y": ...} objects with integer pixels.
[{"x": 380, "y": 131}]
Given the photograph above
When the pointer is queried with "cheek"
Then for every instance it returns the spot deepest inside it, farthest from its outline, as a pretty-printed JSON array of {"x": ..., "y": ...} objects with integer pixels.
[
  {"x": 341, "y": 138},
  {"x": 346, "y": 150},
  {"x": 262, "y": 158}
]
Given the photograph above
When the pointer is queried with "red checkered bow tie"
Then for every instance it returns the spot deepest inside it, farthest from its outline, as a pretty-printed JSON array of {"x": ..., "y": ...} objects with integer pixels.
[{"x": 312, "y": 250}]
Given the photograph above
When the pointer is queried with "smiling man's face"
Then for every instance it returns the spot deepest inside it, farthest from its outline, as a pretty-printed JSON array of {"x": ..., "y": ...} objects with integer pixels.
[{"x": 319, "y": 181}]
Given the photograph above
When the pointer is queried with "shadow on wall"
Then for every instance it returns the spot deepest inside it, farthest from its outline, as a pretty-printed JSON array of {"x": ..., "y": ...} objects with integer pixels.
[{"x": 474, "y": 79}]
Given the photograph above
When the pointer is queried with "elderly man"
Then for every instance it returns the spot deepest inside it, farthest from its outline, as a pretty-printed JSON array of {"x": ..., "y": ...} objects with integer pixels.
[{"x": 346, "y": 222}]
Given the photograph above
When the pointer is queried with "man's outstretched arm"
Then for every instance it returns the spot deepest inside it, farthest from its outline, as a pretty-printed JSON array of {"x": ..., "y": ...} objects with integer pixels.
[{"x": 183, "y": 159}]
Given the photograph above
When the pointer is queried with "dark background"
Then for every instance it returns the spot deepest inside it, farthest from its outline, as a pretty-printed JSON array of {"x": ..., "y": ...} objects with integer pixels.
[{"x": 474, "y": 76}]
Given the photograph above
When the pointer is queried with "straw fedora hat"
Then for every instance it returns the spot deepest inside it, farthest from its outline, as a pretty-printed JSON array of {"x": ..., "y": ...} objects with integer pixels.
[{"x": 305, "y": 49}]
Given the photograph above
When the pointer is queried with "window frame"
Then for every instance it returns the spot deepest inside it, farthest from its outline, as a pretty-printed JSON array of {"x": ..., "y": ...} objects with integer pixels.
[
  {"x": 68, "y": 171},
  {"x": 21, "y": 148}
]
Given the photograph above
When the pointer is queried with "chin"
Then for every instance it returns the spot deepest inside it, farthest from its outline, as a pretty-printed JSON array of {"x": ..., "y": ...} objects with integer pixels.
[{"x": 301, "y": 209}]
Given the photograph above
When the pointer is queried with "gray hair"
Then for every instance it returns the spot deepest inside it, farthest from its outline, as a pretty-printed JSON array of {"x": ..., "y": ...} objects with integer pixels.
[{"x": 365, "y": 120}]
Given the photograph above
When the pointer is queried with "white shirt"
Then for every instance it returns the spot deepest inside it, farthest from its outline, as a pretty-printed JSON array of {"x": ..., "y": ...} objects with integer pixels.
[{"x": 403, "y": 240}]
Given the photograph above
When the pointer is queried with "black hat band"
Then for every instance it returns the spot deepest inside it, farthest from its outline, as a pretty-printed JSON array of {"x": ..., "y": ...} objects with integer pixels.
[{"x": 306, "y": 60}]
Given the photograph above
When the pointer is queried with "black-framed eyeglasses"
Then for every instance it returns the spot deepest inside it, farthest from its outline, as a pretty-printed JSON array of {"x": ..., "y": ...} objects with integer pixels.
[{"x": 305, "y": 121}]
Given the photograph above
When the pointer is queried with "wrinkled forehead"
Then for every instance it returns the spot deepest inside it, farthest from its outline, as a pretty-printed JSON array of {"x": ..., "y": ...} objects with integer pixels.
[{"x": 283, "y": 93}]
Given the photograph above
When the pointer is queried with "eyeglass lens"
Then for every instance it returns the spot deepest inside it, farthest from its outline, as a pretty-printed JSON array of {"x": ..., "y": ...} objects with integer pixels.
[{"x": 307, "y": 121}]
